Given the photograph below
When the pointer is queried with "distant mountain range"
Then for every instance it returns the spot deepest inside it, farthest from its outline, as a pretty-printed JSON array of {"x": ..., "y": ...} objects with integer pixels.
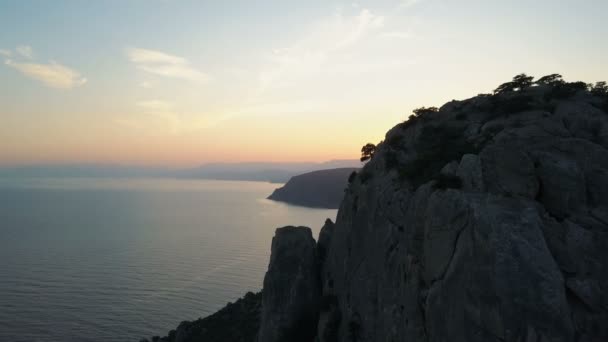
[{"x": 250, "y": 171}]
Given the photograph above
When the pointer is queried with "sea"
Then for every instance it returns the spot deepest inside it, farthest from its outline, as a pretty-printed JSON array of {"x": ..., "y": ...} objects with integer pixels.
[{"x": 92, "y": 259}]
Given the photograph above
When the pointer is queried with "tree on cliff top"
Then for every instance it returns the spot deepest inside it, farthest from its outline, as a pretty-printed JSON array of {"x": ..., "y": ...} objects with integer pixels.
[
  {"x": 519, "y": 82},
  {"x": 368, "y": 151}
]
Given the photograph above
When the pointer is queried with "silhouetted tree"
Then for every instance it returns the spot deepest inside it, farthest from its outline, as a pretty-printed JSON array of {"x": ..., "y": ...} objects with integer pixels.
[
  {"x": 519, "y": 82},
  {"x": 368, "y": 151},
  {"x": 600, "y": 88},
  {"x": 551, "y": 80},
  {"x": 505, "y": 88},
  {"x": 568, "y": 89},
  {"x": 425, "y": 110},
  {"x": 523, "y": 81}
]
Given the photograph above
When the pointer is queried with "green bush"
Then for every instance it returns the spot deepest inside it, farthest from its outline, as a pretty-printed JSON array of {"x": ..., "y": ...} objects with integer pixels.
[
  {"x": 437, "y": 146},
  {"x": 566, "y": 90}
]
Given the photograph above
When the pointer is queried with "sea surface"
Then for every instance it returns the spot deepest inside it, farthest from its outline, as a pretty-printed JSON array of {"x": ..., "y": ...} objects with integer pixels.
[{"x": 121, "y": 259}]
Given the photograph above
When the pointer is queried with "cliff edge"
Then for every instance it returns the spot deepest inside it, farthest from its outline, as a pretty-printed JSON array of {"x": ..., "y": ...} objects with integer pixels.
[{"x": 483, "y": 220}]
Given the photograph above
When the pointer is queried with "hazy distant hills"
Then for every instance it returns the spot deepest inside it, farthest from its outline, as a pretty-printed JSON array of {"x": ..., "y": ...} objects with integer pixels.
[
  {"x": 251, "y": 171},
  {"x": 84, "y": 170},
  {"x": 269, "y": 172},
  {"x": 317, "y": 189}
]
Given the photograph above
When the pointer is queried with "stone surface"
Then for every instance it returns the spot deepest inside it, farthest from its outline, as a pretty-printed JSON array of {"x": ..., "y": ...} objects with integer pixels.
[
  {"x": 291, "y": 294},
  {"x": 511, "y": 253},
  {"x": 484, "y": 221}
]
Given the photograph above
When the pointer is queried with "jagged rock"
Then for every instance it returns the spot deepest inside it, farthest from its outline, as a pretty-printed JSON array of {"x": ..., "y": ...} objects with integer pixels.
[
  {"x": 290, "y": 300},
  {"x": 325, "y": 240},
  {"x": 515, "y": 251},
  {"x": 484, "y": 221}
]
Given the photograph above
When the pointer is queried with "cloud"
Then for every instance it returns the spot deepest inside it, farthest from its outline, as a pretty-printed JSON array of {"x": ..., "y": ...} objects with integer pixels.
[
  {"x": 5, "y": 53},
  {"x": 25, "y": 51},
  {"x": 161, "y": 117},
  {"x": 53, "y": 74},
  {"x": 361, "y": 24},
  {"x": 166, "y": 65},
  {"x": 326, "y": 39}
]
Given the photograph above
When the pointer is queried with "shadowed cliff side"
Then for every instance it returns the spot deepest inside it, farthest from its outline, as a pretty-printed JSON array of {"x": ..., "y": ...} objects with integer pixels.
[
  {"x": 483, "y": 220},
  {"x": 290, "y": 299}
]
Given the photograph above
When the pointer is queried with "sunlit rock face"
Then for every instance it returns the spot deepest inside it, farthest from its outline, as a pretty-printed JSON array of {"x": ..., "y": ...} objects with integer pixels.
[{"x": 486, "y": 220}]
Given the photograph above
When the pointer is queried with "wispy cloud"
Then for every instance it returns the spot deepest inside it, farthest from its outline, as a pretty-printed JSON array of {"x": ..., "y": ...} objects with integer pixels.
[
  {"x": 5, "y": 53},
  {"x": 362, "y": 23},
  {"x": 52, "y": 74},
  {"x": 162, "y": 117},
  {"x": 25, "y": 51},
  {"x": 327, "y": 39},
  {"x": 164, "y": 64}
]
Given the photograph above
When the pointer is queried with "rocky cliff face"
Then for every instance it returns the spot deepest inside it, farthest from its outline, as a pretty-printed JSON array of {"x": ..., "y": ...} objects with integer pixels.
[
  {"x": 290, "y": 299},
  {"x": 486, "y": 220}
]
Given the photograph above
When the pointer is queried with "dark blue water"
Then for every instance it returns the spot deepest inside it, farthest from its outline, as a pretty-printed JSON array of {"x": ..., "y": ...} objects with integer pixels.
[{"x": 117, "y": 260}]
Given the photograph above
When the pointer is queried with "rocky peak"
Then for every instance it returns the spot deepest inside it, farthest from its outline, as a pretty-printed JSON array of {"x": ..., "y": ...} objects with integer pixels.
[
  {"x": 479, "y": 221},
  {"x": 290, "y": 299}
]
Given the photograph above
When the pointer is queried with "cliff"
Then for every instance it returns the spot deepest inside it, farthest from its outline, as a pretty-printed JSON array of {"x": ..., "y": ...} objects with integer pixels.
[
  {"x": 317, "y": 189},
  {"x": 483, "y": 220},
  {"x": 486, "y": 220}
]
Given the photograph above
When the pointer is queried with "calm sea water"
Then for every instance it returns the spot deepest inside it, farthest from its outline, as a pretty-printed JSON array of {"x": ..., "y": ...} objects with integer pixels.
[{"x": 117, "y": 260}]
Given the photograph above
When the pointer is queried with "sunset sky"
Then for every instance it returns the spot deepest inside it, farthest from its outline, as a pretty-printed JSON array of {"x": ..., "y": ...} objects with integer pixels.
[{"x": 181, "y": 83}]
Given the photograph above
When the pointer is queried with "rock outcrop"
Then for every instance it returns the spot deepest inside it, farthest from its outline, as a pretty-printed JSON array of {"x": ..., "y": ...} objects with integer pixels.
[
  {"x": 483, "y": 220},
  {"x": 486, "y": 220},
  {"x": 290, "y": 299},
  {"x": 317, "y": 189}
]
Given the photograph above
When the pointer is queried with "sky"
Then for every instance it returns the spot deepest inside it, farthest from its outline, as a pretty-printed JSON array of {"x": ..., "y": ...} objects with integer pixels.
[{"x": 182, "y": 83}]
